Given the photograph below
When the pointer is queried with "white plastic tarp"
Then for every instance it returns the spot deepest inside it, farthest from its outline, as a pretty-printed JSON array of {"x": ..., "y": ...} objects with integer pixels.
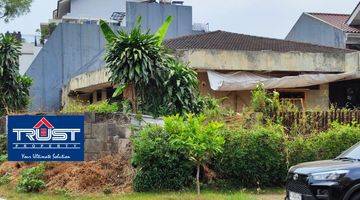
[{"x": 248, "y": 81}]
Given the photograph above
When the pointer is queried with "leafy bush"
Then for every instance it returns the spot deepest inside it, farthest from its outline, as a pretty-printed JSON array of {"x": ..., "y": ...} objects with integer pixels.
[
  {"x": 140, "y": 62},
  {"x": 159, "y": 165},
  {"x": 32, "y": 179},
  {"x": 324, "y": 145},
  {"x": 81, "y": 107},
  {"x": 3, "y": 158},
  {"x": 263, "y": 101},
  {"x": 253, "y": 158},
  {"x": 14, "y": 88},
  {"x": 103, "y": 107},
  {"x": 300, "y": 150},
  {"x": 3, "y": 144},
  {"x": 200, "y": 140},
  {"x": 5, "y": 179}
]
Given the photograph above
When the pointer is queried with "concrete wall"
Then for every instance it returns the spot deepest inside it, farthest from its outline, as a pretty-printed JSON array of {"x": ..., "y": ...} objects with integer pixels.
[
  {"x": 318, "y": 99},
  {"x": 70, "y": 51},
  {"x": 154, "y": 14},
  {"x": 311, "y": 30},
  {"x": 266, "y": 61}
]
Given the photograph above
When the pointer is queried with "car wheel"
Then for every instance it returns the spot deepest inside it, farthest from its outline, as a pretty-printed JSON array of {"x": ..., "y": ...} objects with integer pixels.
[{"x": 356, "y": 196}]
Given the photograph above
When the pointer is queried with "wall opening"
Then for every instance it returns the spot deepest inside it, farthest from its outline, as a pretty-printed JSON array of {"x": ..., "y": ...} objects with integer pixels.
[{"x": 345, "y": 94}]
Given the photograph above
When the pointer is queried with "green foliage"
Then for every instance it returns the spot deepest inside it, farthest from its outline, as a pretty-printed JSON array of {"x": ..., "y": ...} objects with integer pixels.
[
  {"x": 179, "y": 94},
  {"x": 3, "y": 144},
  {"x": 159, "y": 165},
  {"x": 107, "y": 190},
  {"x": 325, "y": 145},
  {"x": 300, "y": 150},
  {"x": 3, "y": 158},
  {"x": 32, "y": 179},
  {"x": 100, "y": 107},
  {"x": 5, "y": 179},
  {"x": 103, "y": 107},
  {"x": 263, "y": 101},
  {"x": 253, "y": 158},
  {"x": 9, "y": 9},
  {"x": 161, "y": 33},
  {"x": 14, "y": 88},
  {"x": 199, "y": 139},
  {"x": 46, "y": 32},
  {"x": 140, "y": 62}
]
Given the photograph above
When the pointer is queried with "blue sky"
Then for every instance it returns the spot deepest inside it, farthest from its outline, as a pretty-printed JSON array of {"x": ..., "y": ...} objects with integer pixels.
[{"x": 270, "y": 18}]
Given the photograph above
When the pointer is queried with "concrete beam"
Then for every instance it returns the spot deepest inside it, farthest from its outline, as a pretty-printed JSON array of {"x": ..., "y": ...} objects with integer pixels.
[{"x": 268, "y": 61}]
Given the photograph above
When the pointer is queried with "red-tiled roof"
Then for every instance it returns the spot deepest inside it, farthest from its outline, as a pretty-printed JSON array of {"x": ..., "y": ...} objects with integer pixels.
[
  {"x": 221, "y": 40},
  {"x": 337, "y": 20}
]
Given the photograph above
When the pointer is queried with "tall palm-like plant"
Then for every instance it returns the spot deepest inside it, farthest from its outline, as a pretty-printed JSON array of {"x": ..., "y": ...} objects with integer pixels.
[
  {"x": 14, "y": 89},
  {"x": 136, "y": 59}
]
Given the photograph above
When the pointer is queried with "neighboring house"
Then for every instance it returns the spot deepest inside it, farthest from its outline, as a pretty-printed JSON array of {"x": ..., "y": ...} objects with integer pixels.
[
  {"x": 28, "y": 53},
  {"x": 77, "y": 47},
  {"x": 230, "y": 65},
  {"x": 336, "y": 30}
]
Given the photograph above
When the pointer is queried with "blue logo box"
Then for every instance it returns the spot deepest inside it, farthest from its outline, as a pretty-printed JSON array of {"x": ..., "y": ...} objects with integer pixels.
[{"x": 45, "y": 138}]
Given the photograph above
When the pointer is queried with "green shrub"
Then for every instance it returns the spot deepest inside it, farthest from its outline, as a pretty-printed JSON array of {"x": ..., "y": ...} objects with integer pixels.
[
  {"x": 3, "y": 144},
  {"x": 3, "y": 158},
  {"x": 300, "y": 150},
  {"x": 103, "y": 107},
  {"x": 159, "y": 166},
  {"x": 325, "y": 145},
  {"x": 5, "y": 179},
  {"x": 32, "y": 179},
  {"x": 81, "y": 107},
  {"x": 337, "y": 139},
  {"x": 253, "y": 158}
]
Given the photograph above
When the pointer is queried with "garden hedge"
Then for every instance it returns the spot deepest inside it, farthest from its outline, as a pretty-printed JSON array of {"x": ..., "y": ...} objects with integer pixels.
[{"x": 255, "y": 157}]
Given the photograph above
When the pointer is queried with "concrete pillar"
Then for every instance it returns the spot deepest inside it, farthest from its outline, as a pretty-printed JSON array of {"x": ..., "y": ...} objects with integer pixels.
[
  {"x": 95, "y": 96},
  {"x": 103, "y": 95}
]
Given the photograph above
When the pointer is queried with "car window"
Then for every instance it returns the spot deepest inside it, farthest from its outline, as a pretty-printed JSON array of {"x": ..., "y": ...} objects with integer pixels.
[{"x": 353, "y": 152}]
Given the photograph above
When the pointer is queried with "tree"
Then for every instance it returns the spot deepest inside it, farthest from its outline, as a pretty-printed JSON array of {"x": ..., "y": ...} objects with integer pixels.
[
  {"x": 9, "y": 9},
  {"x": 160, "y": 84},
  {"x": 200, "y": 140},
  {"x": 14, "y": 88}
]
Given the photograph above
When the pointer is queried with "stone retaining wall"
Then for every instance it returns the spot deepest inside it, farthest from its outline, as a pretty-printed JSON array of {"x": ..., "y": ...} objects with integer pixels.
[{"x": 106, "y": 135}]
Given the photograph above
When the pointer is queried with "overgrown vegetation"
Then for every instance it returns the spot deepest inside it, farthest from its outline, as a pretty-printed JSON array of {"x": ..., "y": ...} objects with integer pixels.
[
  {"x": 32, "y": 179},
  {"x": 252, "y": 157},
  {"x": 46, "y": 32},
  {"x": 256, "y": 153},
  {"x": 3, "y": 144},
  {"x": 160, "y": 166},
  {"x": 158, "y": 83},
  {"x": 102, "y": 107},
  {"x": 14, "y": 88},
  {"x": 200, "y": 140}
]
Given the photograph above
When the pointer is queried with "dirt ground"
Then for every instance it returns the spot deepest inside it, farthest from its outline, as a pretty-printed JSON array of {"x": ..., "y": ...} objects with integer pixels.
[{"x": 113, "y": 172}]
